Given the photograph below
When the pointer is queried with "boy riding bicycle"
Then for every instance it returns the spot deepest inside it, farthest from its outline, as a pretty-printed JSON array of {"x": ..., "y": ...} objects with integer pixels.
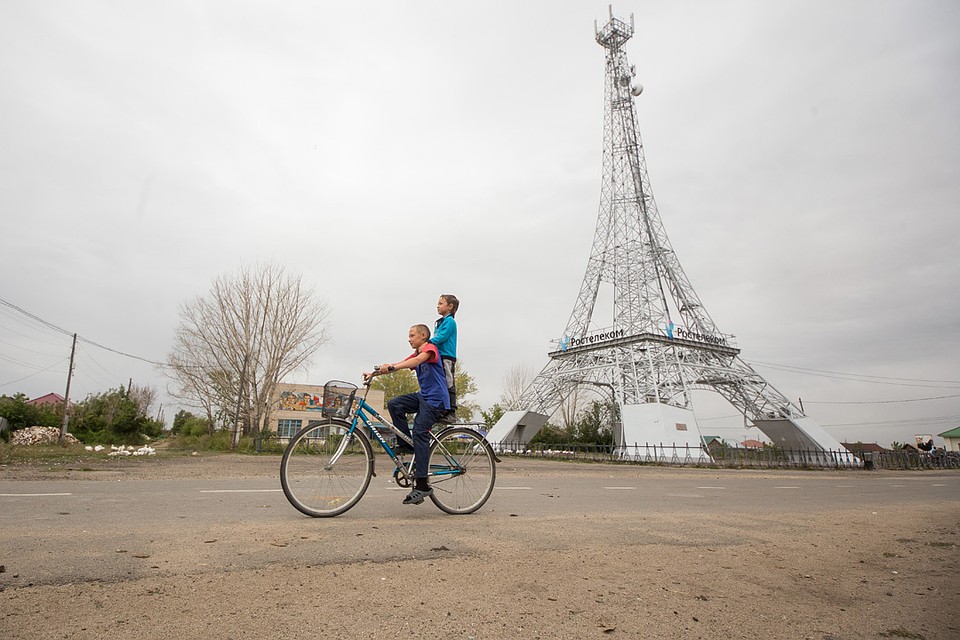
[{"x": 430, "y": 403}]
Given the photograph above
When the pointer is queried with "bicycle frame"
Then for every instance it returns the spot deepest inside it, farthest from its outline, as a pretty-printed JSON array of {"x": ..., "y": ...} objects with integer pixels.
[
  {"x": 365, "y": 414},
  {"x": 328, "y": 464}
]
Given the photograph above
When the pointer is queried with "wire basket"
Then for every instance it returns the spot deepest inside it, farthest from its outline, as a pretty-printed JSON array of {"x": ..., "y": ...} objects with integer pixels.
[{"x": 338, "y": 398}]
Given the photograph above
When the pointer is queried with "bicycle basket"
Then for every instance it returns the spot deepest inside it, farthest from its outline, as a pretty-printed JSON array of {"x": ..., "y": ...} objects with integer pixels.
[{"x": 338, "y": 398}]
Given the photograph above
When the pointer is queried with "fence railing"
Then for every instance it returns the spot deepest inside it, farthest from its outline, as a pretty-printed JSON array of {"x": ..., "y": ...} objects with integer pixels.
[{"x": 768, "y": 457}]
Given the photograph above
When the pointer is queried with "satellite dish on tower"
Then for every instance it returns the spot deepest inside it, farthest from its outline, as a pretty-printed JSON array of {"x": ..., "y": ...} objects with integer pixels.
[{"x": 636, "y": 89}]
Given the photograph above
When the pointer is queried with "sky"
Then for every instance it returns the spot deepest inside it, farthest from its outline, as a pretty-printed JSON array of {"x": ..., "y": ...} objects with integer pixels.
[{"x": 803, "y": 155}]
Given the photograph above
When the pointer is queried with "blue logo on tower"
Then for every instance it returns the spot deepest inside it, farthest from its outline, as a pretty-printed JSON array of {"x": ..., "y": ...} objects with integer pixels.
[
  {"x": 670, "y": 325},
  {"x": 564, "y": 343}
]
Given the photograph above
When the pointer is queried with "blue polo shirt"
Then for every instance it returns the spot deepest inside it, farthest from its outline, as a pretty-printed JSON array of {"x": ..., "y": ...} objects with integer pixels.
[{"x": 430, "y": 376}]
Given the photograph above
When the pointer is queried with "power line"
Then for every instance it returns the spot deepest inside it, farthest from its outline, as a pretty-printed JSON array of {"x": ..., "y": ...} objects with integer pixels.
[
  {"x": 925, "y": 421},
  {"x": 69, "y": 333},
  {"x": 884, "y": 401},
  {"x": 37, "y": 318},
  {"x": 4, "y": 384},
  {"x": 857, "y": 377},
  {"x": 121, "y": 353}
]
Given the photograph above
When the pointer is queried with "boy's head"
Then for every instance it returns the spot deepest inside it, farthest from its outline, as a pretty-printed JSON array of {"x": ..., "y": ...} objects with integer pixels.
[
  {"x": 418, "y": 336},
  {"x": 448, "y": 304}
]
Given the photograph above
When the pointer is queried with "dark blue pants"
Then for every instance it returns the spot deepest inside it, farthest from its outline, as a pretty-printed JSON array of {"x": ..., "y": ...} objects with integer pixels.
[{"x": 427, "y": 415}]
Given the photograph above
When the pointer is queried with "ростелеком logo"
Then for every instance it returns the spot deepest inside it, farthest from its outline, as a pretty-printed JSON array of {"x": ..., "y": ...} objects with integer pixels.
[
  {"x": 564, "y": 343},
  {"x": 670, "y": 327}
]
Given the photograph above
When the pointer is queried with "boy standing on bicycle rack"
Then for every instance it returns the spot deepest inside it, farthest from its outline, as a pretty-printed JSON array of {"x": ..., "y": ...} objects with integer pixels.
[
  {"x": 445, "y": 339},
  {"x": 431, "y": 402}
]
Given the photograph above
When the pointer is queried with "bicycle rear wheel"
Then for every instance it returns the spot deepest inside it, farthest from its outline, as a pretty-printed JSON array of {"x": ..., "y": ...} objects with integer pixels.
[
  {"x": 462, "y": 470},
  {"x": 325, "y": 469}
]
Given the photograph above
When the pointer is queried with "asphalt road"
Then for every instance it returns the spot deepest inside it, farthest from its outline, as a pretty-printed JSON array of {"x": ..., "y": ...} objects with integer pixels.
[{"x": 65, "y": 531}]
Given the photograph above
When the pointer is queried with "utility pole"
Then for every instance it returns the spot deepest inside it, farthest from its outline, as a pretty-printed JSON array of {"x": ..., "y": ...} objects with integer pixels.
[{"x": 66, "y": 394}]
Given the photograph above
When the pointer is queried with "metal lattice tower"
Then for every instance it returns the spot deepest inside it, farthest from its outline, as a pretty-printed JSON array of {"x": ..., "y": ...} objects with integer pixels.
[{"x": 661, "y": 343}]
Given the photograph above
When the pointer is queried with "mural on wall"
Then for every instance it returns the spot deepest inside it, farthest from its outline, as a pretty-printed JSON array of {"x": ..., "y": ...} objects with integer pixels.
[{"x": 300, "y": 401}]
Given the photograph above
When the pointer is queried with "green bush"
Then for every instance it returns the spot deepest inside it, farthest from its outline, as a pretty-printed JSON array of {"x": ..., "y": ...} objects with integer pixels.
[
  {"x": 185, "y": 423},
  {"x": 219, "y": 441}
]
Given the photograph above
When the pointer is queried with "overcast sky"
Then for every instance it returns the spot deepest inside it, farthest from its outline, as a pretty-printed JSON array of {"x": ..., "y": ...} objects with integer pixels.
[{"x": 804, "y": 157}]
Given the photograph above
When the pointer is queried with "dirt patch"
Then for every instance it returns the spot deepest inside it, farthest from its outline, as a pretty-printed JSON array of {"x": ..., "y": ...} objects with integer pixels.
[{"x": 838, "y": 575}]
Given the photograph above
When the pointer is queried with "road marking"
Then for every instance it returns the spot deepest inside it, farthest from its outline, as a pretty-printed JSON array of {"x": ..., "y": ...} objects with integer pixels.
[
  {"x": 620, "y": 488},
  {"x": 786, "y": 487},
  {"x": 514, "y": 488},
  {"x": 32, "y": 495},
  {"x": 938, "y": 485},
  {"x": 711, "y": 487},
  {"x": 240, "y": 490}
]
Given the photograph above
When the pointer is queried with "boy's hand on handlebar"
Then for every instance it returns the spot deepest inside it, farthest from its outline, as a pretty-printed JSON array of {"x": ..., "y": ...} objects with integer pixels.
[{"x": 379, "y": 370}]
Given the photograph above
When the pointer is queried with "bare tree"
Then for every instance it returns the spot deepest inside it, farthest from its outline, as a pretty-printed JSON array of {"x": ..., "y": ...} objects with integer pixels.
[
  {"x": 569, "y": 410},
  {"x": 236, "y": 343},
  {"x": 143, "y": 397},
  {"x": 514, "y": 383}
]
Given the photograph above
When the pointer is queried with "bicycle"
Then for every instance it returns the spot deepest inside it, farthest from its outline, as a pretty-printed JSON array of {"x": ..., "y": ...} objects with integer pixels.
[{"x": 327, "y": 465}]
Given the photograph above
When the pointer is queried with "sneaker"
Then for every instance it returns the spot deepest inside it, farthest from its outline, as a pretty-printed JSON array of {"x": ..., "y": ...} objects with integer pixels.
[
  {"x": 417, "y": 496},
  {"x": 450, "y": 417}
]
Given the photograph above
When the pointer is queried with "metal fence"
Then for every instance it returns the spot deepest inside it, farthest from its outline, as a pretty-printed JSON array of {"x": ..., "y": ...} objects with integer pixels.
[{"x": 727, "y": 457}]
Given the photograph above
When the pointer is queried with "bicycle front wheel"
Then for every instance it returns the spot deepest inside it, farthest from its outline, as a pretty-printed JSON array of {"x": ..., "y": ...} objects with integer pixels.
[
  {"x": 462, "y": 470},
  {"x": 325, "y": 469}
]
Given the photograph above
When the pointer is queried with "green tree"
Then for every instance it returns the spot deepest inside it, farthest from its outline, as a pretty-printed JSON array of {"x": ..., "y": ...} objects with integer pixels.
[
  {"x": 398, "y": 383},
  {"x": 595, "y": 425},
  {"x": 113, "y": 417},
  {"x": 552, "y": 435},
  {"x": 465, "y": 387},
  {"x": 187, "y": 424},
  {"x": 20, "y": 414},
  {"x": 492, "y": 416},
  {"x": 404, "y": 381}
]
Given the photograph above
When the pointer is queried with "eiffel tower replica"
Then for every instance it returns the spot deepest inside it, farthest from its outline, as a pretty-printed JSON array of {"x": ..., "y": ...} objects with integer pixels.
[{"x": 660, "y": 343}]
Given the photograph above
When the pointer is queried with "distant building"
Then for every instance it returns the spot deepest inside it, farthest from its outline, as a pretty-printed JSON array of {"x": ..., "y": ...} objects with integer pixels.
[
  {"x": 951, "y": 439},
  {"x": 296, "y": 405},
  {"x": 751, "y": 444},
  {"x": 858, "y": 448},
  {"x": 48, "y": 400},
  {"x": 714, "y": 442}
]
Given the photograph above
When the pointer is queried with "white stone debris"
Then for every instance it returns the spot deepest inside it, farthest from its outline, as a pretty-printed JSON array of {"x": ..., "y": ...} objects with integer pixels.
[
  {"x": 51, "y": 435},
  {"x": 40, "y": 435}
]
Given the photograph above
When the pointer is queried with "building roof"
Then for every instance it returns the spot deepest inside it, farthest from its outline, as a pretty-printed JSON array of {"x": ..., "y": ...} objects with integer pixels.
[
  {"x": 50, "y": 398},
  {"x": 952, "y": 433},
  {"x": 855, "y": 447},
  {"x": 752, "y": 444}
]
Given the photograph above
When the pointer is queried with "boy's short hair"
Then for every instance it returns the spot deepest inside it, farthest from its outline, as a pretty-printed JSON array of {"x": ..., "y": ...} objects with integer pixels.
[
  {"x": 451, "y": 299},
  {"x": 423, "y": 329}
]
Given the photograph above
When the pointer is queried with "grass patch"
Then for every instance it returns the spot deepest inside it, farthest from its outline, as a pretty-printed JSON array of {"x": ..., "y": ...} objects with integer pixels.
[{"x": 21, "y": 453}]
